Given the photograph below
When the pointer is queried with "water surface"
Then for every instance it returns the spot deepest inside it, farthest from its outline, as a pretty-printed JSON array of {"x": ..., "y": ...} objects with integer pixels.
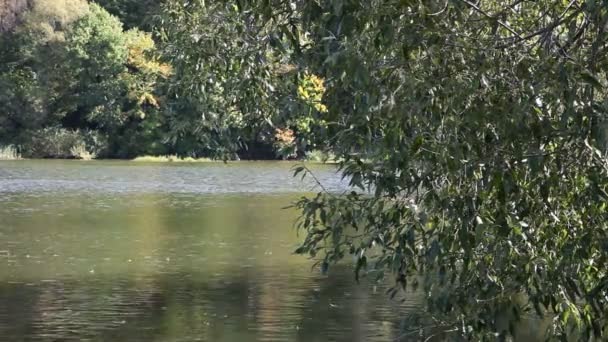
[
  {"x": 123, "y": 251},
  {"x": 118, "y": 251}
]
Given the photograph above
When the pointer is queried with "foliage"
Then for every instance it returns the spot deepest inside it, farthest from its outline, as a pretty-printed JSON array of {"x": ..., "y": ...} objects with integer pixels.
[
  {"x": 33, "y": 72},
  {"x": 478, "y": 130},
  {"x": 320, "y": 156},
  {"x": 53, "y": 142},
  {"x": 70, "y": 64},
  {"x": 206, "y": 106},
  {"x": 80, "y": 152},
  {"x": 117, "y": 82},
  {"x": 311, "y": 90},
  {"x": 96, "y": 45},
  {"x": 285, "y": 143},
  {"x": 132, "y": 13},
  {"x": 309, "y": 120},
  {"x": 22, "y": 103},
  {"x": 475, "y": 131},
  {"x": 9, "y": 153},
  {"x": 224, "y": 56},
  {"x": 47, "y": 20}
]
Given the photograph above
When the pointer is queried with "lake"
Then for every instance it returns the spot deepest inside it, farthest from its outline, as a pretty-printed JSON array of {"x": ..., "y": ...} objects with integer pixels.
[{"x": 123, "y": 251}]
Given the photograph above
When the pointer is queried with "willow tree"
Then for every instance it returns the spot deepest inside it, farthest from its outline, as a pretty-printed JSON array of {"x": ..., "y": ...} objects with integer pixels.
[{"x": 477, "y": 132}]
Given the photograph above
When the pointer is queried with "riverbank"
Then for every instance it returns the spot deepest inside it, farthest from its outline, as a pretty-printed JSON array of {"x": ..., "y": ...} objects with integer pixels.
[
  {"x": 171, "y": 159},
  {"x": 178, "y": 161},
  {"x": 12, "y": 154}
]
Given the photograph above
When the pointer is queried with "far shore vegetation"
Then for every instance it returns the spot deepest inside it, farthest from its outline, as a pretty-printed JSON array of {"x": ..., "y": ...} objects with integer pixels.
[
  {"x": 171, "y": 159},
  {"x": 9, "y": 153}
]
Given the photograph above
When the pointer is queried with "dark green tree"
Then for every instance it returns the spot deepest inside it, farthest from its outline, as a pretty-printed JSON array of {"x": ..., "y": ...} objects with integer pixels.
[
  {"x": 116, "y": 88},
  {"x": 476, "y": 132},
  {"x": 133, "y": 13},
  {"x": 223, "y": 57},
  {"x": 70, "y": 68},
  {"x": 33, "y": 72}
]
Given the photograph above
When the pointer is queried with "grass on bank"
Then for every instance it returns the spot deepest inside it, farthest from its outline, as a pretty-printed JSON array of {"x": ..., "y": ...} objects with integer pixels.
[
  {"x": 172, "y": 158},
  {"x": 315, "y": 156},
  {"x": 319, "y": 156},
  {"x": 9, "y": 153},
  {"x": 80, "y": 152}
]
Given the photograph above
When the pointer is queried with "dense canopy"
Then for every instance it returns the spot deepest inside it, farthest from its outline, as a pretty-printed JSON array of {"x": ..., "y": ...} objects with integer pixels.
[{"x": 479, "y": 129}]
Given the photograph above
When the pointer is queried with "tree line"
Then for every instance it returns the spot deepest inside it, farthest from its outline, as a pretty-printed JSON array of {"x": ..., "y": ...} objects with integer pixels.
[{"x": 82, "y": 78}]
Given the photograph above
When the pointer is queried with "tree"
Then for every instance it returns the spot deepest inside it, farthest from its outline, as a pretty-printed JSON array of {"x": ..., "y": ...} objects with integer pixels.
[
  {"x": 117, "y": 74},
  {"x": 477, "y": 134},
  {"x": 132, "y": 13},
  {"x": 33, "y": 72},
  {"x": 71, "y": 65},
  {"x": 223, "y": 58}
]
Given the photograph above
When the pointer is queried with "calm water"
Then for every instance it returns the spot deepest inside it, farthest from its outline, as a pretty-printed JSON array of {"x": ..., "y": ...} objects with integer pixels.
[{"x": 117, "y": 251}]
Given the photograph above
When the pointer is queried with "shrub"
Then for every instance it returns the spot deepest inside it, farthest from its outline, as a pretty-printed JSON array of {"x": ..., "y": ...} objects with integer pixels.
[
  {"x": 80, "y": 152},
  {"x": 285, "y": 143},
  {"x": 9, "y": 153},
  {"x": 320, "y": 156},
  {"x": 52, "y": 142}
]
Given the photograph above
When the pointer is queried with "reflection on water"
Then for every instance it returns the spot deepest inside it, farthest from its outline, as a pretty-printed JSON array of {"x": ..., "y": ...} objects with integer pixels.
[
  {"x": 116, "y": 252},
  {"x": 177, "y": 307}
]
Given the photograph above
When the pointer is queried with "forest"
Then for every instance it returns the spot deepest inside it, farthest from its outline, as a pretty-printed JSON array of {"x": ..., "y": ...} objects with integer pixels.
[
  {"x": 96, "y": 80},
  {"x": 473, "y": 133}
]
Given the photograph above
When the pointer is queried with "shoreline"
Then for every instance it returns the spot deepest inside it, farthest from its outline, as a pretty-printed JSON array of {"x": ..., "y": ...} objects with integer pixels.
[{"x": 173, "y": 161}]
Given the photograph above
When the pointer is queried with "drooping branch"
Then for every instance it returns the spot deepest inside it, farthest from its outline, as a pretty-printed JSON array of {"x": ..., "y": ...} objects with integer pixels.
[{"x": 486, "y": 14}]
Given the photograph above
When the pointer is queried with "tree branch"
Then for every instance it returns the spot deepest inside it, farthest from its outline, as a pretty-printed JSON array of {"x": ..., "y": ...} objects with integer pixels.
[{"x": 501, "y": 23}]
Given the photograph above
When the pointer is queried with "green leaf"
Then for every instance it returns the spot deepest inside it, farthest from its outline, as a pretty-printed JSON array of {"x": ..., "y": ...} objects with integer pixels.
[{"x": 591, "y": 79}]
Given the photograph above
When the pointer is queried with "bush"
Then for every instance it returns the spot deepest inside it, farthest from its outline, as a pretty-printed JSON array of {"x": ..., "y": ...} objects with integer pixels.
[
  {"x": 320, "y": 156},
  {"x": 80, "y": 152},
  {"x": 52, "y": 142},
  {"x": 9, "y": 153}
]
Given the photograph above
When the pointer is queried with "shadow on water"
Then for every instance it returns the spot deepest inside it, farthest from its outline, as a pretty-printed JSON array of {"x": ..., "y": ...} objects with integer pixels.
[{"x": 172, "y": 308}]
